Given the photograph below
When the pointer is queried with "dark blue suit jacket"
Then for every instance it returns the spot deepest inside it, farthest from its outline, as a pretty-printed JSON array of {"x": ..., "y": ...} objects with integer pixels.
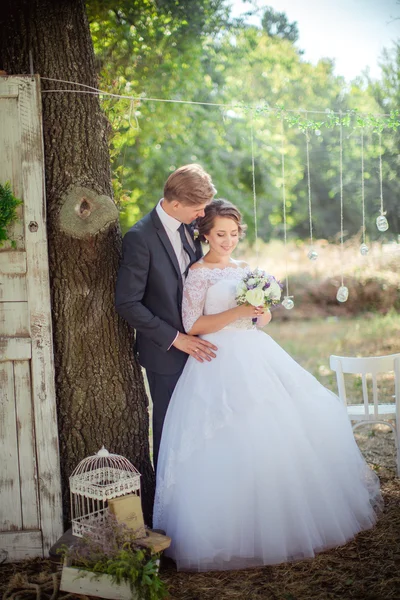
[{"x": 149, "y": 293}]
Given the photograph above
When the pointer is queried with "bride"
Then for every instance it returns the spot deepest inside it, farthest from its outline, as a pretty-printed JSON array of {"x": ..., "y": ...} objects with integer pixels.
[{"x": 258, "y": 464}]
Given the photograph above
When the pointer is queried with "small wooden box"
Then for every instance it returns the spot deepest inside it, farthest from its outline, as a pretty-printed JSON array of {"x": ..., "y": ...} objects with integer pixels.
[{"x": 128, "y": 510}]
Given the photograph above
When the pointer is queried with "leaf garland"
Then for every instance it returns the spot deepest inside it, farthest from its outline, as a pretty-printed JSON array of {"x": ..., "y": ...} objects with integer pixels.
[{"x": 332, "y": 119}]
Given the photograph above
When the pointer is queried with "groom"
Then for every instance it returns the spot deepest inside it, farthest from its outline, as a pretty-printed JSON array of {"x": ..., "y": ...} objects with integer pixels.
[{"x": 157, "y": 253}]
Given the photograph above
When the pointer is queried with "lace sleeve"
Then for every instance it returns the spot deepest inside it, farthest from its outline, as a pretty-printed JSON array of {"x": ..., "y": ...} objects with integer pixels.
[{"x": 194, "y": 295}]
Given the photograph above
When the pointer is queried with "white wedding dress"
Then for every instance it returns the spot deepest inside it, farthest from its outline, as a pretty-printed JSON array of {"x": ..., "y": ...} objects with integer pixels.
[{"x": 258, "y": 463}]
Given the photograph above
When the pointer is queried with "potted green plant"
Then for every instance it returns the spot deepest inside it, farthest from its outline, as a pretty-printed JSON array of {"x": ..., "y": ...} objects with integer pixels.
[
  {"x": 8, "y": 212},
  {"x": 110, "y": 562}
]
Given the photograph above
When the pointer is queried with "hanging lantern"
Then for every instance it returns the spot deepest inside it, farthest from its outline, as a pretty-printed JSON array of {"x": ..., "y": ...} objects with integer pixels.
[
  {"x": 288, "y": 303},
  {"x": 312, "y": 254},
  {"x": 364, "y": 249},
  {"x": 342, "y": 294},
  {"x": 382, "y": 223}
]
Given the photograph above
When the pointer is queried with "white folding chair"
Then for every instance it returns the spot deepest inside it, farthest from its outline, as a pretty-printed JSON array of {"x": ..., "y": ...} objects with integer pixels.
[{"x": 374, "y": 412}]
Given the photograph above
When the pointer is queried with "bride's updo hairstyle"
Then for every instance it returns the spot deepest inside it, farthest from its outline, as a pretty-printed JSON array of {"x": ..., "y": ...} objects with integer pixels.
[{"x": 219, "y": 208}]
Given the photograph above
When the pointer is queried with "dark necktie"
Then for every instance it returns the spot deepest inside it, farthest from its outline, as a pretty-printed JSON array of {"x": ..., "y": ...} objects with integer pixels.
[{"x": 186, "y": 246}]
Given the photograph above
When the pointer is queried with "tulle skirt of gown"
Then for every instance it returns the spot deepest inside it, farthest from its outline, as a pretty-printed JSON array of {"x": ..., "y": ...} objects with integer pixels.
[{"x": 258, "y": 463}]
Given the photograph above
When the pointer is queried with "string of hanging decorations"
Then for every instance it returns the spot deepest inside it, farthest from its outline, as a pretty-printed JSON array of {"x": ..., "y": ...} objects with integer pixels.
[
  {"x": 292, "y": 118},
  {"x": 299, "y": 118}
]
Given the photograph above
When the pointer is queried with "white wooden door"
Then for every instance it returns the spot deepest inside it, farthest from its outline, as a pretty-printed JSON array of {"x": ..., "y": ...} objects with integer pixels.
[{"x": 30, "y": 495}]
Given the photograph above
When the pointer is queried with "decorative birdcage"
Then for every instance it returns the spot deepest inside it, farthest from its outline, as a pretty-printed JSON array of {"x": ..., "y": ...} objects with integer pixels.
[{"x": 96, "y": 480}]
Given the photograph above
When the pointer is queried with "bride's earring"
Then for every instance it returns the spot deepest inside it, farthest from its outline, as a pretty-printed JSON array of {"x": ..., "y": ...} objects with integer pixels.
[{"x": 206, "y": 241}]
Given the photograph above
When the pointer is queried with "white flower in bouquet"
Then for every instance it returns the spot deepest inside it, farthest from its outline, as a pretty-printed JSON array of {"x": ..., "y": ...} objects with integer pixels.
[
  {"x": 255, "y": 297},
  {"x": 242, "y": 288},
  {"x": 274, "y": 290}
]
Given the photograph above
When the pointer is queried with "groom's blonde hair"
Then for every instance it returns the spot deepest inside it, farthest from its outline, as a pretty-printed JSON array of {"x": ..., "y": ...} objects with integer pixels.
[{"x": 190, "y": 185}]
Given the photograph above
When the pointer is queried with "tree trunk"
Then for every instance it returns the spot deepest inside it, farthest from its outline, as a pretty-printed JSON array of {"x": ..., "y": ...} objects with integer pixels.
[{"x": 100, "y": 392}]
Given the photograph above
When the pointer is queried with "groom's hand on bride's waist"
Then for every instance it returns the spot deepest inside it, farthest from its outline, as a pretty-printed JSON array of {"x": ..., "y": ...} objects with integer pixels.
[{"x": 200, "y": 349}]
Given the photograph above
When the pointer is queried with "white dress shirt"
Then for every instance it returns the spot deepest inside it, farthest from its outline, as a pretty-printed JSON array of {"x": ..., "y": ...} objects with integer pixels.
[{"x": 171, "y": 226}]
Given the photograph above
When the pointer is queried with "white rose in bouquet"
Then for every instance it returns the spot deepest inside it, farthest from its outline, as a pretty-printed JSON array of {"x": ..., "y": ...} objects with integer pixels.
[{"x": 255, "y": 297}]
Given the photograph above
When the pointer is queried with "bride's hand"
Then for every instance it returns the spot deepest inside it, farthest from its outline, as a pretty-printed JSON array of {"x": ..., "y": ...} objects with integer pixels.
[
  {"x": 200, "y": 349},
  {"x": 264, "y": 319},
  {"x": 246, "y": 311}
]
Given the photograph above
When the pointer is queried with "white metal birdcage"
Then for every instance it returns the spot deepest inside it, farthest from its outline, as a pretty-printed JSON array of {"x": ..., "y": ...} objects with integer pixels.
[{"x": 96, "y": 480}]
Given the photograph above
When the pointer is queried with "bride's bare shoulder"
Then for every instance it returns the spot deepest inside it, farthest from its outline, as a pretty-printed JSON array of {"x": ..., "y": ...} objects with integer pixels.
[{"x": 242, "y": 264}]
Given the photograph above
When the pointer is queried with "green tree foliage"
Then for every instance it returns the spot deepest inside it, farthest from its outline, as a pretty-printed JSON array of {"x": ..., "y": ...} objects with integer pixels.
[
  {"x": 175, "y": 50},
  {"x": 276, "y": 24}
]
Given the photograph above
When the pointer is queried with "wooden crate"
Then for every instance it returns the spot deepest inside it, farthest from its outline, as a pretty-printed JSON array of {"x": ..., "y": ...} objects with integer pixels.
[
  {"x": 78, "y": 581},
  {"x": 87, "y": 583}
]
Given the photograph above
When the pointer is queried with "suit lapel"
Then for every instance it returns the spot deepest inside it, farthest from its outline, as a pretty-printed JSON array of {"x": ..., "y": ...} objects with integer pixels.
[
  {"x": 162, "y": 234},
  {"x": 199, "y": 249}
]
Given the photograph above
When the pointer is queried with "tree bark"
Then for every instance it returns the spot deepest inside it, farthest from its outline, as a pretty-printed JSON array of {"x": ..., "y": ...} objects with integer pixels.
[{"x": 100, "y": 392}]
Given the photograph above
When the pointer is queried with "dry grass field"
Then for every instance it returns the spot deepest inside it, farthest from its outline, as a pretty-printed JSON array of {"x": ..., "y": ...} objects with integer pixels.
[{"x": 373, "y": 280}]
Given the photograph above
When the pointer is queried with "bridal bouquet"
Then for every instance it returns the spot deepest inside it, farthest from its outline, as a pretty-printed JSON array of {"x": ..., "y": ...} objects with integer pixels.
[{"x": 258, "y": 288}]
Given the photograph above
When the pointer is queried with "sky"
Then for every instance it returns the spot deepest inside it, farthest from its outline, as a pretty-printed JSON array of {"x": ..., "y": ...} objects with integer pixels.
[{"x": 352, "y": 32}]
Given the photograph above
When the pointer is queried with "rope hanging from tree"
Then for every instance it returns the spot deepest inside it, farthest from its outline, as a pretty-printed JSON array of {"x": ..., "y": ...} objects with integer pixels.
[
  {"x": 253, "y": 179},
  {"x": 363, "y": 248},
  {"x": 343, "y": 292},
  {"x": 287, "y": 300},
  {"x": 312, "y": 253},
  {"x": 381, "y": 221}
]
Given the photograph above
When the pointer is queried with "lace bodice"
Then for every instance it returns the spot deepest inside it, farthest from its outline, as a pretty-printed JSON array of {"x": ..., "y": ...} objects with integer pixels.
[{"x": 211, "y": 291}]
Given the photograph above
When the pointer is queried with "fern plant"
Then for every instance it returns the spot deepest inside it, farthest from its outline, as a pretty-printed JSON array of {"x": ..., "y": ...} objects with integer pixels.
[
  {"x": 8, "y": 212},
  {"x": 111, "y": 549}
]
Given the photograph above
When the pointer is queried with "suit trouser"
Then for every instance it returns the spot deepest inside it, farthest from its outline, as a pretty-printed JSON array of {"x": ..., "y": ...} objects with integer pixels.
[{"x": 161, "y": 390}]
